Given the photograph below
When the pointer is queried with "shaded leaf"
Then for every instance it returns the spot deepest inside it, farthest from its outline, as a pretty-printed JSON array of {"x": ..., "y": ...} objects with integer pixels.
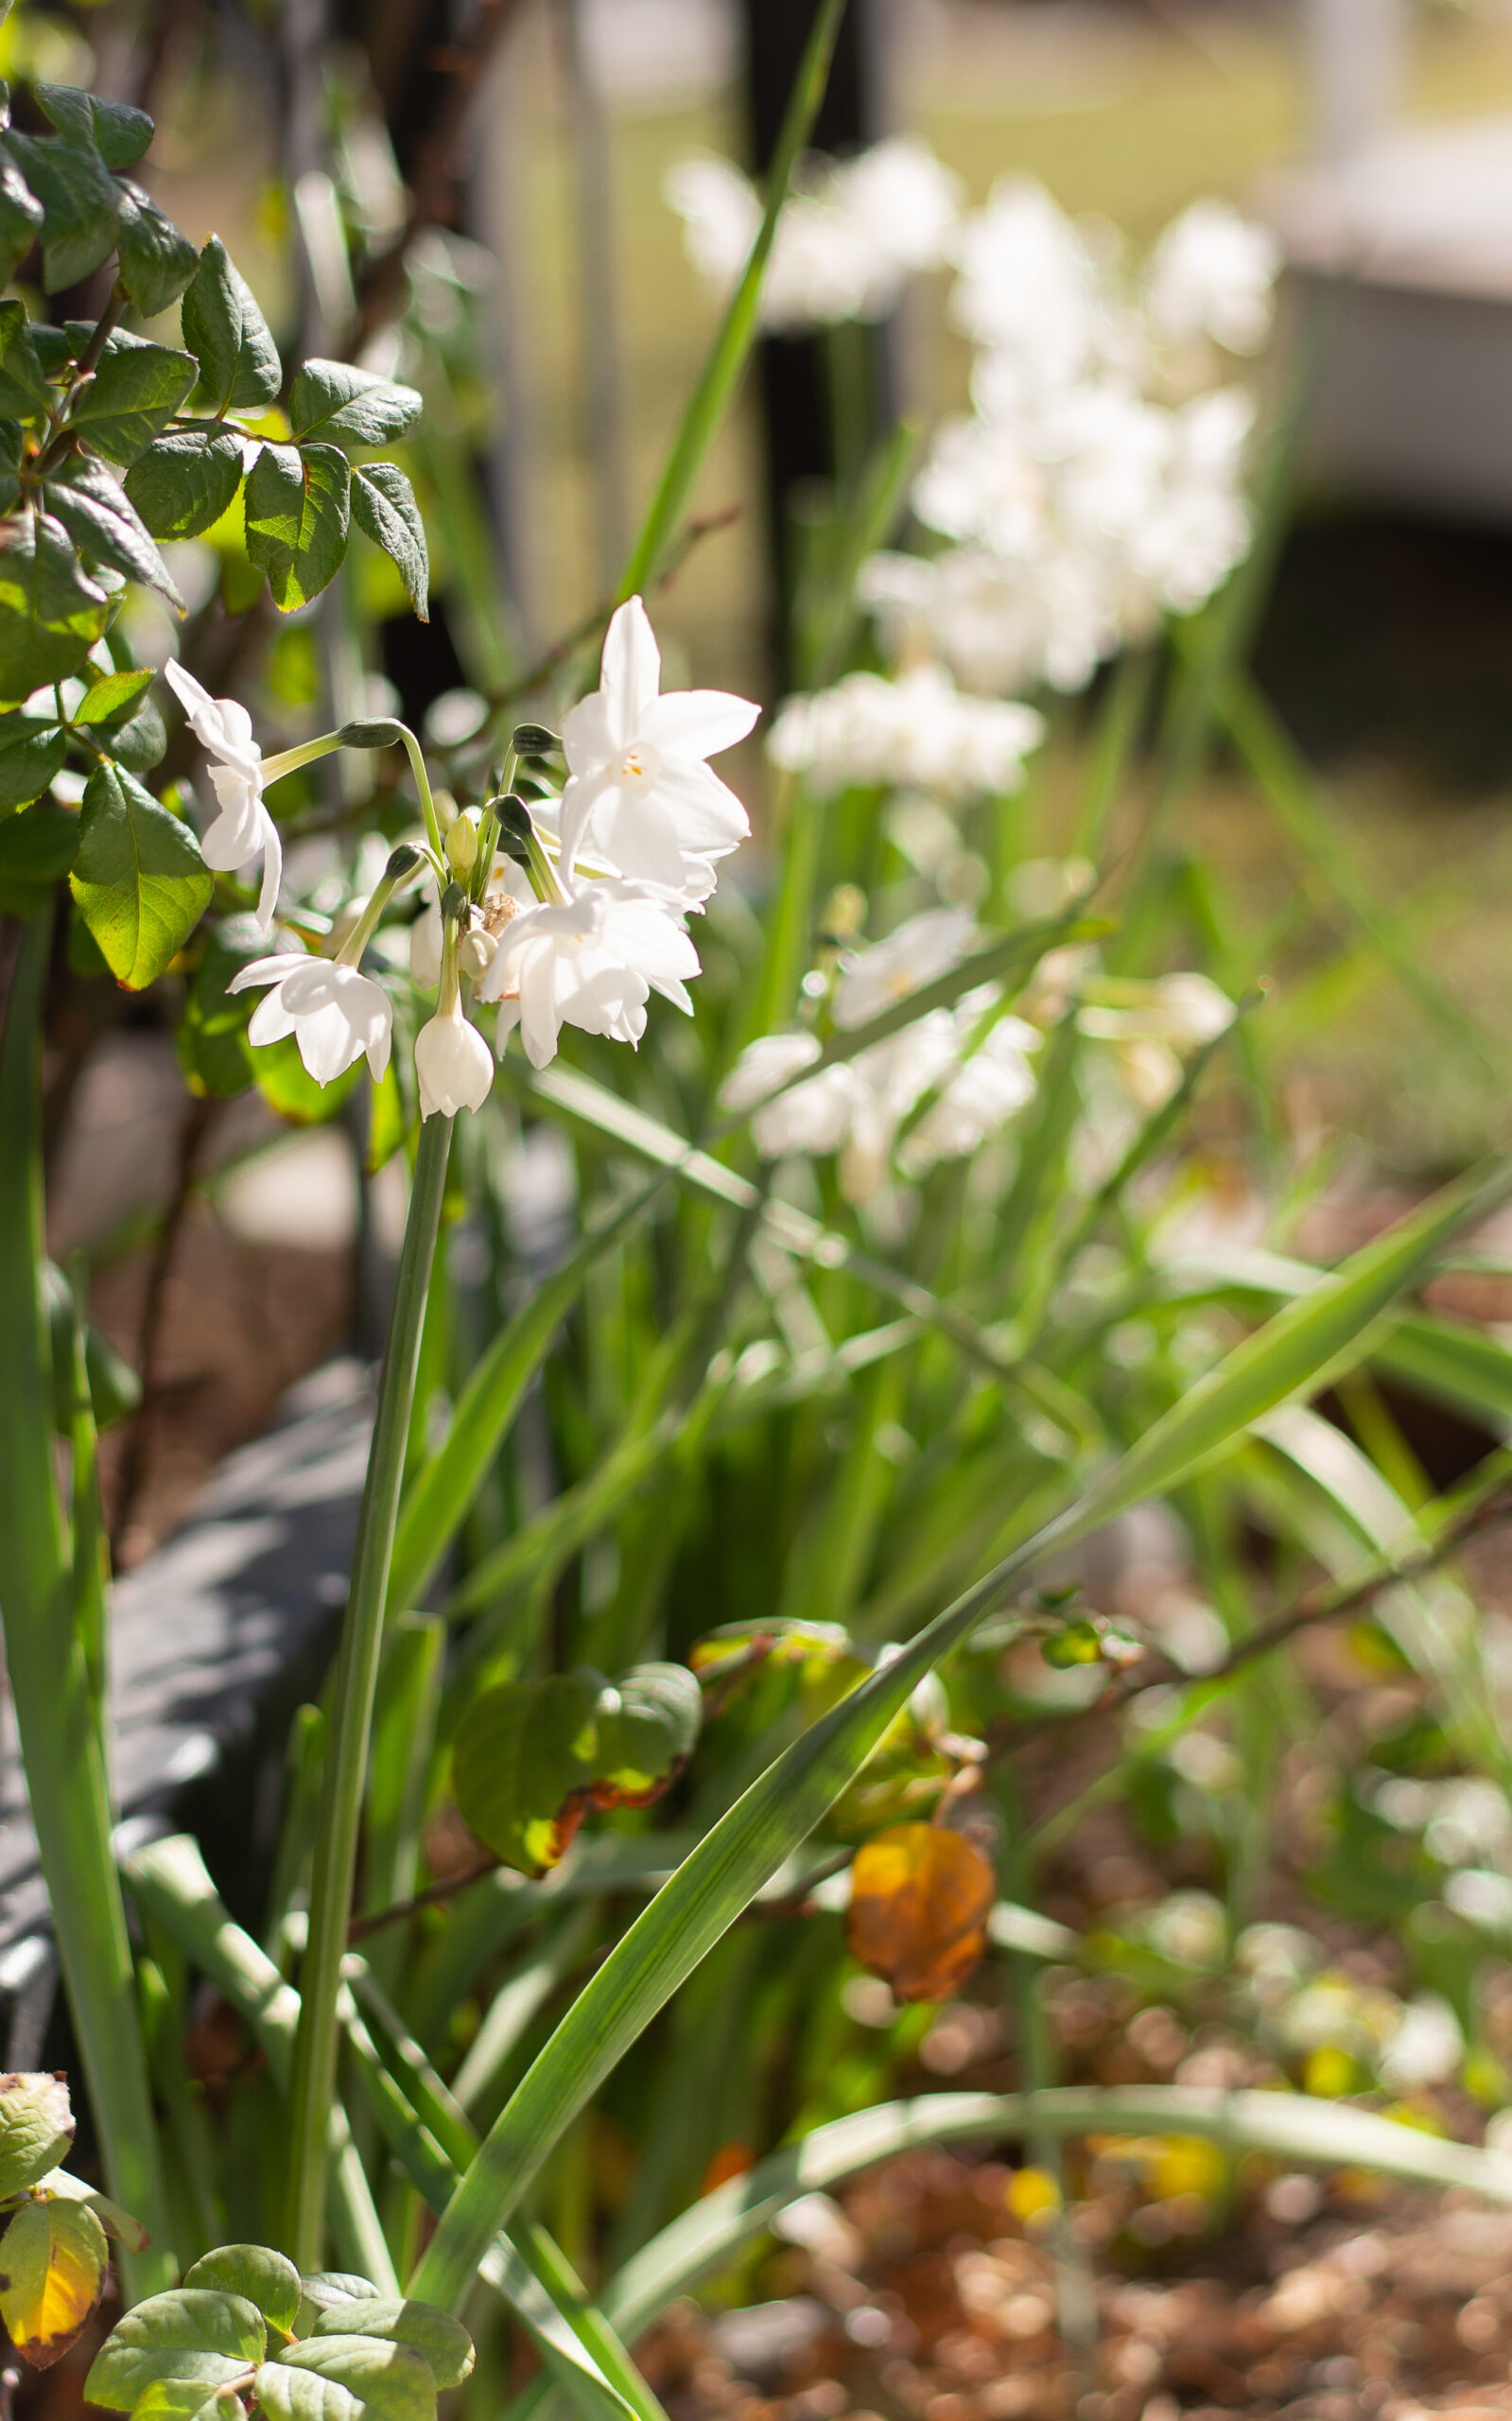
[
  {"x": 226, "y": 332},
  {"x": 333, "y": 401},
  {"x": 32, "y": 751},
  {"x": 394, "y": 2383},
  {"x": 131, "y": 397},
  {"x": 52, "y": 2268},
  {"x": 20, "y": 217},
  {"x": 81, "y": 200},
  {"x": 102, "y": 521},
  {"x": 157, "y": 262},
  {"x": 647, "y": 1724},
  {"x": 37, "y": 848},
  {"x": 523, "y": 1764},
  {"x": 323, "y": 2291},
  {"x": 189, "y": 2333},
  {"x": 298, "y": 510},
  {"x": 24, "y": 388},
  {"x": 139, "y": 879},
  {"x": 384, "y": 508},
  {"x": 394, "y": 2320},
  {"x": 182, "y": 482},
  {"x": 920, "y": 1897},
  {"x": 36, "y": 2128},
  {"x": 140, "y": 742},
  {"x": 263, "y": 2278},
  {"x": 213, "y": 1048},
  {"x": 119, "y": 132}
]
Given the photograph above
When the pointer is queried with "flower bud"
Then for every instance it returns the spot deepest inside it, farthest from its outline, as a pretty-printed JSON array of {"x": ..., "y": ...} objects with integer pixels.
[
  {"x": 475, "y": 954},
  {"x": 534, "y": 740},
  {"x": 461, "y": 845},
  {"x": 454, "y": 1065},
  {"x": 402, "y": 862}
]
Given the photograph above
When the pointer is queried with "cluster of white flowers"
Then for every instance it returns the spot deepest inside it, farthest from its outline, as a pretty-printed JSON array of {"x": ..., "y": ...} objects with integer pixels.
[
  {"x": 639, "y": 829},
  {"x": 849, "y": 239},
  {"x": 1097, "y": 481},
  {"x": 974, "y": 1065},
  {"x": 918, "y": 731}
]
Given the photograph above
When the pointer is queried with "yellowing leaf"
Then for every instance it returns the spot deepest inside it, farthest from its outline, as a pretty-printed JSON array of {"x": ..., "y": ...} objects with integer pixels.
[
  {"x": 52, "y": 2266},
  {"x": 920, "y": 1897}
]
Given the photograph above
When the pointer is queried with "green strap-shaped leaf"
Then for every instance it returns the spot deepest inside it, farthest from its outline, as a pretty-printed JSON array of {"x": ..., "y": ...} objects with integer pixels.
[
  {"x": 139, "y": 879},
  {"x": 131, "y": 397},
  {"x": 102, "y": 521},
  {"x": 226, "y": 332},
  {"x": 332, "y": 401},
  {"x": 384, "y": 508},
  {"x": 298, "y": 513},
  {"x": 1303, "y": 1346},
  {"x": 157, "y": 262},
  {"x": 182, "y": 482},
  {"x": 1285, "y": 2127},
  {"x": 444, "y": 1489}
]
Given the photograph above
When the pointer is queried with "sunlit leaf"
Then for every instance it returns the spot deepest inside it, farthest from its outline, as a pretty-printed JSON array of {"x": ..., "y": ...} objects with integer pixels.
[
  {"x": 253, "y": 2272},
  {"x": 189, "y": 2333},
  {"x": 36, "y": 2128},
  {"x": 52, "y": 2267}
]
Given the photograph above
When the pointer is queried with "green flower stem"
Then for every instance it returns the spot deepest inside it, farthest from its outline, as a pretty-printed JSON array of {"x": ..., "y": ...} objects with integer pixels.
[
  {"x": 417, "y": 766},
  {"x": 313, "y": 2084},
  {"x": 48, "y": 1663}
]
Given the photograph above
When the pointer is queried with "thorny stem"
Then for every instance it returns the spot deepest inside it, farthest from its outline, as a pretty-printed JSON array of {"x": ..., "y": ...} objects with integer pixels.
[{"x": 313, "y": 2081}]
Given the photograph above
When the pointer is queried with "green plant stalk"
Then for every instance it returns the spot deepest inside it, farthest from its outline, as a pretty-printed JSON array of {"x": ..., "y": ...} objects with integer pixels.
[
  {"x": 313, "y": 2083},
  {"x": 721, "y": 375},
  {"x": 48, "y": 1666}
]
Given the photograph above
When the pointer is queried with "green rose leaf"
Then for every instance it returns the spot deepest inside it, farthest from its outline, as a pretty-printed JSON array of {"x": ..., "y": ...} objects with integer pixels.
[
  {"x": 648, "y": 1727},
  {"x": 384, "y": 508},
  {"x": 114, "y": 696},
  {"x": 133, "y": 393},
  {"x": 524, "y": 1765},
  {"x": 118, "y": 132},
  {"x": 20, "y": 217},
  {"x": 140, "y": 742},
  {"x": 32, "y": 751},
  {"x": 264, "y": 2278},
  {"x": 187, "y": 2401},
  {"x": 52, "y": 2267},
  {"x": 139, "y": 879},
  {"x": 80, "y": 198},
  {"x": 23, "y": 389},
  {"x": 182, "y": 483},
  {"x": 298, "y": 510},
  {"x": 36, "y": 849},
  {"x": 331, "y": 400},
  {"x": 394, "y": 2383},
  {"x": 284, "y": 2395},
  {"x": 36, "y": 2128},
  {"x": 157, "y": 262},
  {"x": 444, "y": 2341},
  {"x": 50, "y": 612},
  {"x": 226, "y": 332},
  {"x": 324, "y": 2289},
  {"x": 102, "y": 521},
  {"x": 191, "y": 2333}
]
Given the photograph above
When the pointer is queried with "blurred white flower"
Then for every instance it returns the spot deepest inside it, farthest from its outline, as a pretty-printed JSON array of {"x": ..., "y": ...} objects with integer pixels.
[
  {"x": 453, "y": 1063},
  {"x": 812, "y": 1117},
  {"x": 846, "y": 242},
  {"x": 243, "y": 829},
  {"x": 1028, "y": 286},
  {"x": 591, "y": 960},
  {"x": 879, "y": 978},
  {"x": 639, "y": 789},
  {"x": 425, "y": 948},
  {"x": 1426, "y": 2048},
  {"x": 335, "y": 1014},
  {"x": 1214, "y": 274},
  {"x": 917, "y": 730},
  {"x": 987, "y": 1088}
]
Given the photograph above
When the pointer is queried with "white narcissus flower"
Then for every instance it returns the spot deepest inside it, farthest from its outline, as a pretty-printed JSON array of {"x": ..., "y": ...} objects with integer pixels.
[
  {"x": 639, "y": 786},
  {"x": 920, "y": 949},
  {"x": 591, "y": 960},
  {"x": 243, "y": 829},
  {"x": 335, "y": 1014},
  {"x": 812, "y": 1117},
  {"x": 454, "y": 1064},
  {"x": 1214, "y": 274},
  {"x": 917, "y": 731}
]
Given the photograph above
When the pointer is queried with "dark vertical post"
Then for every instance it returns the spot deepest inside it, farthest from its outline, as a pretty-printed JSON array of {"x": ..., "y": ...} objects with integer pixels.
[{"x": 791, "y": 370}]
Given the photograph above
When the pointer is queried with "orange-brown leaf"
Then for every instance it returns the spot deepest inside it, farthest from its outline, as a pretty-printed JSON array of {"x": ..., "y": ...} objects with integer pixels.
[
  {"x": 920, "y": 1897},
  {"x": 52, "y": 2267}
]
